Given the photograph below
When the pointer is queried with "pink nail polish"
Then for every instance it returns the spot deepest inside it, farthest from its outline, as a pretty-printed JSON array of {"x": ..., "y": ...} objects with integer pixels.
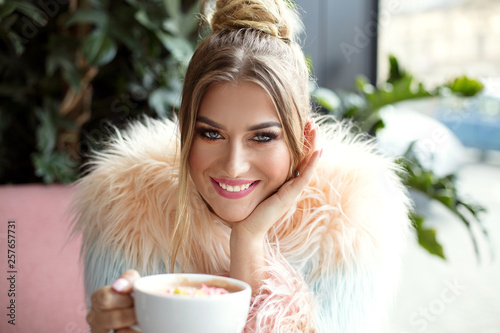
[
  {"x": 120, "y": 284},
  {"x": 321, "y": 153}
]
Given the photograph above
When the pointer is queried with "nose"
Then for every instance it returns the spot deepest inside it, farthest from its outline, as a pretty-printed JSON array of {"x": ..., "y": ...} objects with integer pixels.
[{"x": 236, "y": 161}]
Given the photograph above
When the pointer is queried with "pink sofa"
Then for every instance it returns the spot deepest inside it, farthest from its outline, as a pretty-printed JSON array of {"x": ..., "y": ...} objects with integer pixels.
[{"x": 48, "y": 282}]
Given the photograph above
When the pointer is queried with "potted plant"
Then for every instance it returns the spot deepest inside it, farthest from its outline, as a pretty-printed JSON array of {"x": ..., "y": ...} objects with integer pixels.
[{"x": 364, "y": 106}]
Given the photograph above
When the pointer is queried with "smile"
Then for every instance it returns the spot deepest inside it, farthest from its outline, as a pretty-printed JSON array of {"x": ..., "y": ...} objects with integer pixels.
[
  {"x": 236, "y": 188},
  {"x": 233, "y": 189}
]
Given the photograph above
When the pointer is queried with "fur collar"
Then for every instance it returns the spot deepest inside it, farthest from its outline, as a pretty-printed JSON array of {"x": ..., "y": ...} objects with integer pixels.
[{"x": 353, "y": 213}]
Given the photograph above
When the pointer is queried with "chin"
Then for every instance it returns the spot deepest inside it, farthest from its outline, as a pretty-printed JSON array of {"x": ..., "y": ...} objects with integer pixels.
[
  {"x": 227, "y": 216},
  {"x": 231, "y": 215},
  {"x": 231, "y": 218}
]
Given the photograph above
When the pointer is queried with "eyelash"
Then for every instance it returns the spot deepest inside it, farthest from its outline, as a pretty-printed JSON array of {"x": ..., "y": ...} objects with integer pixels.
[
  {"x": 269, "y": 135},
  {"x": 205, "y": 132},
  {"x": 212, "y": 135}
]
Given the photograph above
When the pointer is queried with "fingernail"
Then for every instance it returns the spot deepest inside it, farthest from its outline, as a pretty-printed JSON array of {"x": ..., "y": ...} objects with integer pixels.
[
  {"x": 120, "y": 284},
  {"x": 321, "y": 153}
]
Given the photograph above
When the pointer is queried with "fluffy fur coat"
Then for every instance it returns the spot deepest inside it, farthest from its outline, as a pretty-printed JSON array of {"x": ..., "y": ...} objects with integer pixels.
[{"x": 333, "y": 259}]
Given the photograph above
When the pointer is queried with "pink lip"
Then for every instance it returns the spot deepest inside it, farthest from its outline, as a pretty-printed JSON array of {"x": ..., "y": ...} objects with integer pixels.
[{"x": 233, "y": 182}]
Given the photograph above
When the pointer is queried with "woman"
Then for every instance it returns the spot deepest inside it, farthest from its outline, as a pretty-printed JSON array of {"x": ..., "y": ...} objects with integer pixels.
[{"x": 246, "y": 194}]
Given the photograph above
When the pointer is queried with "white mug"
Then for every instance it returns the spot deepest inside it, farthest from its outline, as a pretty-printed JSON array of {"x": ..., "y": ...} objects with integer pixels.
[{"x": 158, "y": 312}]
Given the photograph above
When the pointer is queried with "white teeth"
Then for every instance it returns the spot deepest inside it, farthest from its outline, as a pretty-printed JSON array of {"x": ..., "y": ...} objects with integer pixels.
[{"x": 236, "y": 188}]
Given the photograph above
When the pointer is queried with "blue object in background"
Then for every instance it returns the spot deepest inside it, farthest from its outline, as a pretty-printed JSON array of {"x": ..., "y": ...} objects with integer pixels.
[{"x": 476, "y": 123}]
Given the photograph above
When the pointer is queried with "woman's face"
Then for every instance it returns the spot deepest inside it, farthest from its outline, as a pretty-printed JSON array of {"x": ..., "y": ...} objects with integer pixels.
[{"x": 239, "y": 155}]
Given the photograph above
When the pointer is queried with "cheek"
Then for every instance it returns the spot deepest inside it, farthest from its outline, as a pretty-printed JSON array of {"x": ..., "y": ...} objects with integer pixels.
[
  {"x": 198, "y": 161},
  {"x": 277, "y": 165}
]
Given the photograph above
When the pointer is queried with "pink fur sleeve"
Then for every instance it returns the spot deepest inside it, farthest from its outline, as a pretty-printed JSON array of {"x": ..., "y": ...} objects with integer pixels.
[{"x": 283, "y": 304}]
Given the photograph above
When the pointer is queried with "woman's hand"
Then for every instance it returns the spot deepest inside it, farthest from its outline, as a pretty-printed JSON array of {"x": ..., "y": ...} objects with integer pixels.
[
  {"x": 247, "y": 236},
  {"x": 267, "y": 213},
  {"x": 113, "y": 306}
]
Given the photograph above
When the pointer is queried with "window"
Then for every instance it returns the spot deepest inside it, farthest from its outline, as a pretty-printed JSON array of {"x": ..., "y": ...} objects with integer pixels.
[{"x": 440, "y": 39}]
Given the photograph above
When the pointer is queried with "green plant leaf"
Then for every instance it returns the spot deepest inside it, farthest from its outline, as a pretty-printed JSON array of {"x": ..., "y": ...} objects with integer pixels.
[
  {"x": 172, "y": 7},
  {"x": 447, "y": 197},
  {"x": 46, "y": 132},
  {"x": 473, "y": 208},
  {"x": 90, "y": 16},
  {"x": 353, "y": 105},
  {"x": 16, "y": 42},
  {"x": 441, "y": 189},
  {"x": 190, "y": 21},
  {"x": 99, "y": 49},
  {"x": 465, "y": 86},
  {"x": 326, "y": 98},
  {"x": 142, "y": 17},
  {"x": 162, "y": 100},
  {"x": 6, "y": 10},
  {"x": 427, "y": 237},
  {"x": 123, "y": 34},
  {"x": 31, "y": 11},
  {"x": 99, "y": 4},
  {"x": 399, "y": 86},
  {"x": 72, "y": 76},
  {"x": 177, "y": 46},
  {"x": 374, "y": 126},
  {"x": 172, "y": 26},
  {"x": 55, "y": 167},
  {"x": 396, "y": 73},
  {"x": 403, "y": 89}
]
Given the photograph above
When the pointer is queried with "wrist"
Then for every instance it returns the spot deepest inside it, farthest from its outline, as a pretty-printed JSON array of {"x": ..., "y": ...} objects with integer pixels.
[
  {"x": 241, "y": 234},
  {"x": 247, "y": 258}
]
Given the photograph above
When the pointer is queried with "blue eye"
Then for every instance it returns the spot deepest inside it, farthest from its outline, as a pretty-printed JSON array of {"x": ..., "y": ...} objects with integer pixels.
[
  {"x": 209, "y": 134},
  {"x": 265, "y": 137}
]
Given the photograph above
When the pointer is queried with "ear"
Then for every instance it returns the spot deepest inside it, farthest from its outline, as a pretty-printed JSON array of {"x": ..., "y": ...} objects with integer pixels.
[
  {"x": 310, "y": 143},
  {"x": 309, "y": 136}
]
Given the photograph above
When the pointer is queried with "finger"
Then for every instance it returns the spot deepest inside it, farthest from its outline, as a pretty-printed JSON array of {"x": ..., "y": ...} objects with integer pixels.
[
  {"x": 271, "y": 209},
  {"x": 105, "y": 299},
  {"x": 95, "y": 329},
  {"x": 281, "y": 201},
  {"x": 297, "y": 184},
  {"x": 108, "y": 320},
  {"x": 125, "y": 283},
  {"x": 308, "y": 169},
  {"x": 99, "y": 330}
]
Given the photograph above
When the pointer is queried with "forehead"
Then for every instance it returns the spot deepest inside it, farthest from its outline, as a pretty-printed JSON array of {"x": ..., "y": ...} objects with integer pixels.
[{"x": 241, "y": 102}]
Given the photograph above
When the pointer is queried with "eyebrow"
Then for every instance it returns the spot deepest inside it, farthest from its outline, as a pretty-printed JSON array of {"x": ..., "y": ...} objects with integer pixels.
[{"x": 260, "y": 126}]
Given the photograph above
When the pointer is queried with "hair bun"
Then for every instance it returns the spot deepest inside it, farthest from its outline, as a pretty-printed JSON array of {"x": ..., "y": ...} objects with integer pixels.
[{"x": 275, "y": 17}]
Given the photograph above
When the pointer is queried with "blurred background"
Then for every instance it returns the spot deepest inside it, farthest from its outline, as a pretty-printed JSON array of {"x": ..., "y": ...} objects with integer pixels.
[{"x": 422, "y": 78}]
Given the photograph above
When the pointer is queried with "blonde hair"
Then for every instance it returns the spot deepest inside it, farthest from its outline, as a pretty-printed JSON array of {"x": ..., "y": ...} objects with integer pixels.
[{"x": 255, "y": 41}]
